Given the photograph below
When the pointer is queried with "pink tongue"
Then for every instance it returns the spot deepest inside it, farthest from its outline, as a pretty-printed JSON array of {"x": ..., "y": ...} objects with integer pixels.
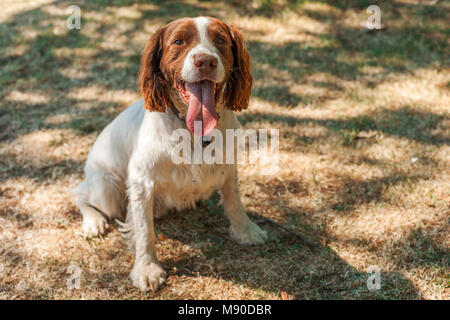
[{"x": 201, "y": 107}]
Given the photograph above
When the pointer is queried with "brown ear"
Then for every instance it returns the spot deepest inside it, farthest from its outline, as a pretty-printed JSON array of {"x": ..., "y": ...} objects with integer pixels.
[
  {"x": 153, "y": 85},
  {"x": 239, "y": 84}
]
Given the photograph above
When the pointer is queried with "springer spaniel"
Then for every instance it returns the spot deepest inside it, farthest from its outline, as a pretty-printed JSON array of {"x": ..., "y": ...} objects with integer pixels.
[{"x": 193, "y": 70}]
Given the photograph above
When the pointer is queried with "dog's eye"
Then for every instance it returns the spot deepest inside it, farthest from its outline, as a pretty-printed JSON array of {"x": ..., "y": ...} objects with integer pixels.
[
  {"x": 220, "y": 40},
  {"x": 179, "y": 42}
]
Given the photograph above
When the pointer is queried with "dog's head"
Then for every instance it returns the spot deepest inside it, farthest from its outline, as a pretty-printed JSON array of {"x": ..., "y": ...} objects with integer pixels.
[{"x": 196, "y": 64}]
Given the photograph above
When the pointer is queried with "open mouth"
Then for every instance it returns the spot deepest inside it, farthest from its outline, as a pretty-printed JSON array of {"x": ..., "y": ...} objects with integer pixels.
[
  {"x": 201, "y": 98},
  {"x": 185, "y": 92}
]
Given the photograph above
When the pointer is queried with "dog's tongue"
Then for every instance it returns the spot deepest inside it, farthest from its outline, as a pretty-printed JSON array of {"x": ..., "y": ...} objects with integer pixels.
[{"x": 201, "y": 106}]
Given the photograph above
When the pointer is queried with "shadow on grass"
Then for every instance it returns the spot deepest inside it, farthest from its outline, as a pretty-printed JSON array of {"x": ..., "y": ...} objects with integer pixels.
[
  {"x": 391, "y": 50},
  {"x": 403, "y": 123},
  {"x": 399, "y": 49},
  {"x": 280, "y": 95},
  {"x": 284, "y": 263},
  {"x": 414, "y": 250},
  {"x": 44, "y": 172},
  {"x": 353, "y": 193},
  {"x": 37, "y": 68},
  {"x": 418, "y": 249},
  {"x": 396, "y": 50}
]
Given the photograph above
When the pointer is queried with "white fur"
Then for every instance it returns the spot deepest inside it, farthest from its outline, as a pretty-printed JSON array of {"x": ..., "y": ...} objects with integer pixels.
[
  {"x": 130, "y": 177},
  {"x": 189, "y": 73}
]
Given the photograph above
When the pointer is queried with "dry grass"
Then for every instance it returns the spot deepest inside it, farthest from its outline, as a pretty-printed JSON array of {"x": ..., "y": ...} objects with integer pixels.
[{"x": 364, "y": 137}]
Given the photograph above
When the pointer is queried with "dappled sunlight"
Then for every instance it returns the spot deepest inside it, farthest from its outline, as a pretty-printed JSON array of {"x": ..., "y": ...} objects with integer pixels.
[
  {"x": 128, "y": 13},
  {"x": 65, "y": 52},
  {"x": 28, "y": 97},
  {"x": 29, "y": 32},
  {"x": 20, "y": 6},
  {"x": 100, "y": 93},
  {"x": 74, "y": 73},
  {"x": 363, "y": 122},
  {"x": 289, "y": 28},
  {"x": 55, "y": 145},
  {"x": 424, "y": 88}
]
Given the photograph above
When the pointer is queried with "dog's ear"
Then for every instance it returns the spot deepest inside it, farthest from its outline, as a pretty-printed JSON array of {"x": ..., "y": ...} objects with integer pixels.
[
  {"x": 239, "y": 84},
  {"x": 152, "y": 82}
]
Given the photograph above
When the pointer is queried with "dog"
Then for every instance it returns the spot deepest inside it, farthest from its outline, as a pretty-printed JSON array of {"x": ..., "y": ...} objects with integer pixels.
[{"x": 193, "y": 70}]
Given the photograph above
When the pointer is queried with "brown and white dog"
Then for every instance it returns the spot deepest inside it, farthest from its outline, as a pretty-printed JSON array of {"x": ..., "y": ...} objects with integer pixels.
[{"x": 193, "y": 70}]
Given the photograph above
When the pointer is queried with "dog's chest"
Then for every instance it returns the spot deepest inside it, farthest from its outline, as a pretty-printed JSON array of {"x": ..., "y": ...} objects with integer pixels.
[{"x": 183, "y": 185}]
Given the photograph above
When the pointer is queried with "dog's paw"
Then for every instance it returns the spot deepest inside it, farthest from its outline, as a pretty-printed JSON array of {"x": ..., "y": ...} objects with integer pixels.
[
  {"x": 147, "y": 276},
  {"x": 94, "y": 225},
  {"x": 250, "y": 234}
]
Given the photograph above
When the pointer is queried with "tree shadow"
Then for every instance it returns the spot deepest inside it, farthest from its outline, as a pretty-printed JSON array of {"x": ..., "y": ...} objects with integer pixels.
[
  {"x": 415, "y": 249},
  {"x": 284, "y": 263},
  {"x": 388, "y": 50},
  {"x": 22, "y": 219},
  {"x": 280, "y": 95},
  {"x": 43, "y": 171},
  {"x": 353, "y": 193},
  {"x": 28, "y": 71},
  {"x": 419, "y": 249},
  {"x": 396, "y": 49},
  {"x": 403, "y": 123}
]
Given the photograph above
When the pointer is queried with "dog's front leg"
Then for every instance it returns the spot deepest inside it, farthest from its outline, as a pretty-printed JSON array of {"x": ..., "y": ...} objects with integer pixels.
[
  {"x": 147, "y": 273},
  {"x": 243, "y": 230}
]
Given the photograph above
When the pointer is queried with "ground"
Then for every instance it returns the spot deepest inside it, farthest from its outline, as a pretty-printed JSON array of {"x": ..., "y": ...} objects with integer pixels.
[{"x": 364, "y": 172}]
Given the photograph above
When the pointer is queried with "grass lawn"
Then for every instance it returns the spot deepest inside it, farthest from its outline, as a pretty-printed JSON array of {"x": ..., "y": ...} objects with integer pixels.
[{"x": 364, "y": 122}]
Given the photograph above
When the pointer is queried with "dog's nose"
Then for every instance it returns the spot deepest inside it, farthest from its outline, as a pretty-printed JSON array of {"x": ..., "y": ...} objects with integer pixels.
[{"x": 205, "y": 63}]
